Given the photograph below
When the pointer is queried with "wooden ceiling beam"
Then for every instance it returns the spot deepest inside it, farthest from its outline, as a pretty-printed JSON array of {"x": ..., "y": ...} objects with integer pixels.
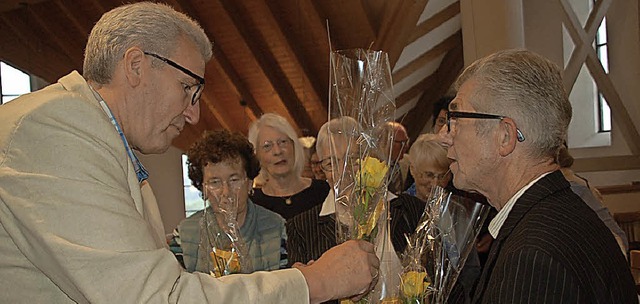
[
  {"x": 220, "y": 63},
  {"x": 60, "y": 38},
  {"x": 269, "y": 65},
  {"x": 28, "y": 51},
  {"x": 68, "y": 7},
  {"x": 444, "y": 77},
  {"x": 435, "y": 21},
  {"x": 443, "y": 47},
  {"x": 319, "y": 92},
  {"x": 414, "y": 91},
  {"x": 235, "y": 82},
  {"x": 398, "y": 22},
  {"x": 349, "y": 25}
]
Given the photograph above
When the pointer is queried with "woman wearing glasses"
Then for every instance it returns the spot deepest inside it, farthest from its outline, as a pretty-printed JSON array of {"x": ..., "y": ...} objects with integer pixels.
[
  {"x": 222, "y": 166},
  {"x": 298, "y": 199},
  {"x": 429, "y": 166}
]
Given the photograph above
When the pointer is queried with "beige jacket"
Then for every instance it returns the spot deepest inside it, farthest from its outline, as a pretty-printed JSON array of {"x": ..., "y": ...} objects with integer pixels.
[{"x": 75, "y": 224}]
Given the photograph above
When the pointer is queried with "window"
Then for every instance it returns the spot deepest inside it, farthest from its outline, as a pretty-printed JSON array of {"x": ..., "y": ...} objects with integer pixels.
[
  {"x": 604, "y": 113},
  {"x": 192, "y": 199},
  {"x": 14, "y": 83}
]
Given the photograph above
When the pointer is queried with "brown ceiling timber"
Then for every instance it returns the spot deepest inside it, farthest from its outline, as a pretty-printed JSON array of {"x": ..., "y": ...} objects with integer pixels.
[
  {"x": 446, "y": 74},
  {"x": 611, "y": 163},
  {"x": 81, "y": 16},
  {"x": 100, "y": 6},
  {"x": 223, "y": 117},
  {"x": 349, "y": 24},
  {"x": 375, "y": 9},
  {"x": 435, "y": 21},
  {"x": 10, "y": 5},
  {"x": 268, "y": 63},
  {"x": 27, "y": 50},
  {"x": 235, "y": 82},
  {"x": 316, "y": 80},
  {"x": 186, "y": 138},
  {"x": 442, "y": 47},
  {"x": 398, "y": 22},
  {"x": 45, "y": 17},
  {"x": 414, "y": 91}
]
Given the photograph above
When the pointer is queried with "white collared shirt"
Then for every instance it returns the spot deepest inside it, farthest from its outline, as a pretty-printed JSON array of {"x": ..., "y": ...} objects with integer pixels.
[{"x": 498, "y": 221}]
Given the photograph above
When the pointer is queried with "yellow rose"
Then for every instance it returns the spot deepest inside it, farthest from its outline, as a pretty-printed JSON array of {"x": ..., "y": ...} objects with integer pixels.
[
  {"x": 224, "y": 260},
  {"x": 372, "y": 172},
  {"x": 413, "y": 284}
]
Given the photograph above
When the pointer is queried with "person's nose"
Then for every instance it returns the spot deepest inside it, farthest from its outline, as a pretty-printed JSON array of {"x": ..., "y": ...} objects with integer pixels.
[
  {"x": 276, "y": 150},
  {"x": 192, "y": 113},
  {"x": 445, "y": 137}
]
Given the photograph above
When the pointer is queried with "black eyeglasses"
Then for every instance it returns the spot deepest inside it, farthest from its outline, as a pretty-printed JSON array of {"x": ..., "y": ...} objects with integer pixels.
[
  {"x": 198, "y": 91},
  {"x": 455, "y": 114}
]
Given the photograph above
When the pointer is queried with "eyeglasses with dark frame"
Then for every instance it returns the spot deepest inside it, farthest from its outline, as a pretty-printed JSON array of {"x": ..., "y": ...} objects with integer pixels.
[
  {"x": 199, "y": 86},
  {"x": 456, "y": 114}
]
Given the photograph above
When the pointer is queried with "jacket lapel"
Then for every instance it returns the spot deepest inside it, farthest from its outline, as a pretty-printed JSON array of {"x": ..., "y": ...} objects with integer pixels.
[{"x": 547, "y": 185}]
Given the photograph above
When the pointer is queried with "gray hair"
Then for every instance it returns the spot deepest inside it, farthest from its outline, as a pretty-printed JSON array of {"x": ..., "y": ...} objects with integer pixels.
[
  {"x": 282, "y": 125},
  {"x": 154, "y": 27},
  {"x": 427, "y": 148},
  {"x": 387, "y": 133},
  {"x": 528, "y": 88},
  {"x": 344, "y": 125}
]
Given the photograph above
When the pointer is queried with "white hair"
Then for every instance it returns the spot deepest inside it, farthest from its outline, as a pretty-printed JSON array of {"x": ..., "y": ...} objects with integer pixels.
[{"x": 281, "y": 125}]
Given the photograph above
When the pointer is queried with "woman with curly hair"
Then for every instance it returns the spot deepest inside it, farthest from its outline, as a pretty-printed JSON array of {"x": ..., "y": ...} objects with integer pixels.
[{"x": 222, "y": 166}]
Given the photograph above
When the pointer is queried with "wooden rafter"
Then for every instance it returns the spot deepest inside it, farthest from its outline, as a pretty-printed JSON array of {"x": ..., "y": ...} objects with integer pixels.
[
  {"x": 235, "y": 82},
  {"x": 414, "y": 91},
  {"x": 310, "y": 77},
  {"x": 17, "y": 39},
  {"x": 585, "y": 53},
  {"x": 443, "y": 78},
  {"x": 398, "y": 22},
  {"x": 221, "y": 63},
  {"x": 68, "y": 9},
  {"x": 269, "y": 65},
  {"x": 435, "y": 21},
  {"x": 443, "y": 47},
  {"x": 59, "y": 37}
]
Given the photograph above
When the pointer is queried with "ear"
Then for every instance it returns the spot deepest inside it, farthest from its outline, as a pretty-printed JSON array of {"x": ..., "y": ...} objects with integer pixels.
[
  {"x": 507, "y": 136},
  {"x": 133, "y": 65}
]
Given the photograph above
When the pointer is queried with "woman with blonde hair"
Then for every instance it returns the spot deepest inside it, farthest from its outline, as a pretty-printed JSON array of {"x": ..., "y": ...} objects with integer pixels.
[{"x": 297, "y": 199}]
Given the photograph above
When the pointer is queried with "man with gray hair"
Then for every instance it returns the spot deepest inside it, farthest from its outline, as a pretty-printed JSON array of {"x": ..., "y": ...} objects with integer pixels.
[
  {"x": 504, "y": 128},
  {"x": 78, "y": 221}
]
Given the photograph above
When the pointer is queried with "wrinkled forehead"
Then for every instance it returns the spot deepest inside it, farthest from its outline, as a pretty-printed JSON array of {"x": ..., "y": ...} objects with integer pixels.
[{"x": 466, "y": 93}]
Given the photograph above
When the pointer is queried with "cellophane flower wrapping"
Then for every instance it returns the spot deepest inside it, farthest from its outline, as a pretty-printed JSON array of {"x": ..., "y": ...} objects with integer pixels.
[
  {"x": 361, "y": 103},
  {"x": 437, "y": 251},
  {"x": 220, "y": 239}
]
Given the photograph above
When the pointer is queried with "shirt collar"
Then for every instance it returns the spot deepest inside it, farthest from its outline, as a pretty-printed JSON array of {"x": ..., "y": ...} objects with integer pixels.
[
  {"x": 498, "y": 221},
  {"x": 141, "y": 172}
]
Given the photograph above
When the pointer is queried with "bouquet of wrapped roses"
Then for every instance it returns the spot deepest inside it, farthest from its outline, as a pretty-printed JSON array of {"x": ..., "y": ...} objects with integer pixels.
[
  {"x": 220, "y": 238},
  {"x": 361, "y": 103},
  {"x": 438, "y": 249}
]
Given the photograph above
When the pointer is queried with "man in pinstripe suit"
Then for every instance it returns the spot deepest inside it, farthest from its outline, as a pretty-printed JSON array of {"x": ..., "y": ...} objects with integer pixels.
[{"x": 503, "y": 130}]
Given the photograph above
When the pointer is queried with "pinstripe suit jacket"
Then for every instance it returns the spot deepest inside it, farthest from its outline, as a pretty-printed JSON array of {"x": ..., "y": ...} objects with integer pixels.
[{"x": 553, "y": 248}]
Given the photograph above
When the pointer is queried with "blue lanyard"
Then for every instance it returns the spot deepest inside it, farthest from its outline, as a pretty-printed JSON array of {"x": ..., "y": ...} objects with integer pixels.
[{"x": 141, "y": 172}]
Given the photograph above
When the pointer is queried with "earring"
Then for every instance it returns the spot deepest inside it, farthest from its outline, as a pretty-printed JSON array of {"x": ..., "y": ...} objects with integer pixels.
[{"x": 251, "y": 191}]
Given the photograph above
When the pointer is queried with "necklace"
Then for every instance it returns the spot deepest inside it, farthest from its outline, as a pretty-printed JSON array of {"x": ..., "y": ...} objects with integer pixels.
[{"x": 287, "y": 200}]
